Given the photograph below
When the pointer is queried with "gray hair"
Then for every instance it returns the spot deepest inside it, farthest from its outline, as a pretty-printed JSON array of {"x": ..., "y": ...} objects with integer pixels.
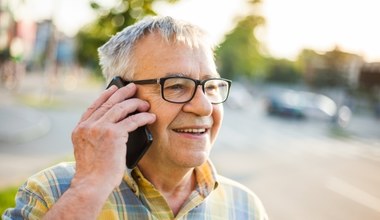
[{"x": 116, "y": 55}]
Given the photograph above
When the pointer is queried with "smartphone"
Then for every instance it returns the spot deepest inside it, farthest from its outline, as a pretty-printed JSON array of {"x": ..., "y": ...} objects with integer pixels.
[{"x": 139, "y": 140}]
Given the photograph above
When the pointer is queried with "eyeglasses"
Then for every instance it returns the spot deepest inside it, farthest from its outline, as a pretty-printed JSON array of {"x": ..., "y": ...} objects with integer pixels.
[{"x": 182, "y": 89}]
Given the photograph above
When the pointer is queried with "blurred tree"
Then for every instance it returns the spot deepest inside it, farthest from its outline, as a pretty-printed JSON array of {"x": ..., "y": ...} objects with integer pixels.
[
  {"x": 109, "y": 21},
  {"x": 240, "y": 53},
  {"x": 282, "y": 71}
]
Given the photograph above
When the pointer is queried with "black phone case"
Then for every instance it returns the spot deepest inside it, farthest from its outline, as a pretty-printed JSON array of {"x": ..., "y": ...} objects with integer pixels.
[{"x": 139, "y": 140}]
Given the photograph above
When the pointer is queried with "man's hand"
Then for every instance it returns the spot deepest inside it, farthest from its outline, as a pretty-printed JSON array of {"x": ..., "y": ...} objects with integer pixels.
[
  {"x": 99, "y": 142},
  {"x": 99, "y": 138}
]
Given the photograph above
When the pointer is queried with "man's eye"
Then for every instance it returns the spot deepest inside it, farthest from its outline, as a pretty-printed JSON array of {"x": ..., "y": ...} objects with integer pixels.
[
  {"x": 175, "y": 87},
  {"x": 211, "y": 88}
]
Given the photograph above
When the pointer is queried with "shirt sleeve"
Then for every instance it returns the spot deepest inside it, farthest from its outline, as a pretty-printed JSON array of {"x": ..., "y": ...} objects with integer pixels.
[
  {"x": 29, "y": 205},
  {"x": 40, "y": 192}
]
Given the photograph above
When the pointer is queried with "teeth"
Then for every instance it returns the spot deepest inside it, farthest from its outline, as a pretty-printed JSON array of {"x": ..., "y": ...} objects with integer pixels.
[{"x": 192, "y": 130}]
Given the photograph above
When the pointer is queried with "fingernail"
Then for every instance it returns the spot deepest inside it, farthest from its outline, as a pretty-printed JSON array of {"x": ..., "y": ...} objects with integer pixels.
[
  {"x": 111, "y": 88},
  {"x": 130, "y": 84},
  {"x": 153, "y": 116}
]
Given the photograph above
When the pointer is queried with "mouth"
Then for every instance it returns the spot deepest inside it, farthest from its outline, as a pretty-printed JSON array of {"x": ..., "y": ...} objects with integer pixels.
[{"x": 197, "y": 131}]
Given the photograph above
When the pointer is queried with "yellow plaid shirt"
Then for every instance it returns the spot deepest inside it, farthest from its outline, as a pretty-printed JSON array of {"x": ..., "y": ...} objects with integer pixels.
[{"x": 215, "y": 197}]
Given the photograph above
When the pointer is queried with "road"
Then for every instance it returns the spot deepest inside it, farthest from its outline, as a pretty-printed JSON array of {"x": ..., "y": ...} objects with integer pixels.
[{"x": 300, "y": 169}]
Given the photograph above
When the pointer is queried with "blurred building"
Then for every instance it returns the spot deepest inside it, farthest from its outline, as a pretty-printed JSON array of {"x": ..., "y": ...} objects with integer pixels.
[
  {"x": 11, "y": 47},
  {"x": 50, "y": 48},
  {"x": 7, "y": 29},
  {"x": 33, "y": 43},
  {"x": 332, "y": 69},
  {"x": 369, "y": 76},
  {"x": 16, "y": 36}
]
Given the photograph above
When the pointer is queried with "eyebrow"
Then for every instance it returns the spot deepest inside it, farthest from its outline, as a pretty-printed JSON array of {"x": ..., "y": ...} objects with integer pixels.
[
  {"x": 208, "y": 76},
  {"x": 175, "y": 74}
]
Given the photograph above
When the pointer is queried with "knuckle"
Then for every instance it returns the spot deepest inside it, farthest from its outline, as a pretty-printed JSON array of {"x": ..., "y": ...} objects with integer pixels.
[
  {"x": 108, "y": 131},
  {"x": 134, "y": 121},
  {"x": 102, "y": 132},
  {"x": 79, "y": 131},
  {"x": 95, "y": 131},
  {"x": 91, "y": 107},
  {"x": 107, "y": 105},
  {"x": 87, "y": 130},
  {"x": 119, "y": 107}
]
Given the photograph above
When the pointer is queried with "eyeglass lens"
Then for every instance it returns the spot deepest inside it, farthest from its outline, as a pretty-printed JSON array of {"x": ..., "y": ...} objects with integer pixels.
[{"x": 183, "y": 90}]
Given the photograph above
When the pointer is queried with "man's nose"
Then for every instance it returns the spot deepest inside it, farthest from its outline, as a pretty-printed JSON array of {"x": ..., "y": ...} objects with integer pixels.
[{"x": 200, "y": 104}]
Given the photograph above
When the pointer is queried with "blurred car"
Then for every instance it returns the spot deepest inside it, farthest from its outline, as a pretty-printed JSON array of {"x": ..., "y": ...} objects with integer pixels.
[
  {"x": 239, "y": 97},
  {"x": 300, "y": 104}
]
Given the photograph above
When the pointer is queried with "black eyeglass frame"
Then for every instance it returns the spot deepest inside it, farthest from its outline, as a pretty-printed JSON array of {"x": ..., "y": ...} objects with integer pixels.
[{"x": 202, "y": 83}]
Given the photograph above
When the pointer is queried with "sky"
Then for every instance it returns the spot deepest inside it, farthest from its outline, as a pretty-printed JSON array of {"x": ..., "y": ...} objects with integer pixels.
[
  {"x": 291, "y": 25},
  {"x": 323, "y": 24}
]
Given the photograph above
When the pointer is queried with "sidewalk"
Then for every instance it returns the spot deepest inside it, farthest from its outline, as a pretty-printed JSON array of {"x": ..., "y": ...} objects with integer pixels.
[
  {"x": 21, "y": 124},
  {"x": 36, "y": 123}
]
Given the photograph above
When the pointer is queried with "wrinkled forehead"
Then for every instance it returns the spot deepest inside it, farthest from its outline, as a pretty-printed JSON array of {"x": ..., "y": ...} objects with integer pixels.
[
  {"x": 154, "y": 54},
  {"x": 158, "y": 41}
]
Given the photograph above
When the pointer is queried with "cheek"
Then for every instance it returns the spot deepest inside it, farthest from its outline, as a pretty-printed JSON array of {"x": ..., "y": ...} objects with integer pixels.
[
  {"x": 164, "y": 116},
  {"x": 217, "y": 116},
  {"x": 154, "y": 99}
]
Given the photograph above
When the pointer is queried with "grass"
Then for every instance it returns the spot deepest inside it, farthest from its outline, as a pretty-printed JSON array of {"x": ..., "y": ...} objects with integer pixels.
[
  {"x": 40, "y": 102},
  {"x": 7, "y": 198},
  {"x": 340, "y": 133}
]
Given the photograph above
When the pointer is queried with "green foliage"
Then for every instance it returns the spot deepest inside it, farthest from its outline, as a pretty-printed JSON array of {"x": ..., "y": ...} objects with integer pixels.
[
  {"x": 282, "y": 71},
  {"x": 7, "y": 198},
  {"x": 239, "y": 55},
  {"x": 109, "y": 22}
]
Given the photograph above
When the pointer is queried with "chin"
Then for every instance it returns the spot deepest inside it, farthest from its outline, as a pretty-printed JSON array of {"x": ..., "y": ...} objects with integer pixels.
[{"x": 195, "y": 160}]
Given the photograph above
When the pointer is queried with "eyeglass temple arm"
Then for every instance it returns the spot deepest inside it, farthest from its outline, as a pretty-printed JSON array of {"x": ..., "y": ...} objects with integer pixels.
[{"x": 145, "y": 81}]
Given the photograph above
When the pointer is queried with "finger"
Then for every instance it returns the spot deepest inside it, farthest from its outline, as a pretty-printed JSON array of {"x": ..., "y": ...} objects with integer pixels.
[
  {"x": 132, "y": 122},
  {"x": 122, "y": 109},
  {"x": 119, "y": 96},
  {"x": 106, "y": 94}
]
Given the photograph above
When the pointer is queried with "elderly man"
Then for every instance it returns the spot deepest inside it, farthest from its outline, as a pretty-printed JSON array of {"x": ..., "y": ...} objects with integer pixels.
[{"x": 174, "y": 89}]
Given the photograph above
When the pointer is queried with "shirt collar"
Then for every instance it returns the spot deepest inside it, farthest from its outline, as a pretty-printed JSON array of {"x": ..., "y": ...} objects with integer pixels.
[
  {"x": 131, "y": 181},
  {"x": 206, "y": 176}
]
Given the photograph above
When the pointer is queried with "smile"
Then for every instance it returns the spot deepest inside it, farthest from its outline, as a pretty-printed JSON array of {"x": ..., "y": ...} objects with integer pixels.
[{"x": 191, "y": 130}]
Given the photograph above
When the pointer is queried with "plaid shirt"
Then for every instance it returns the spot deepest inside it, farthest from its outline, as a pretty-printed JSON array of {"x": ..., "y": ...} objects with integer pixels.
[{"x": 215, "y": 197}]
